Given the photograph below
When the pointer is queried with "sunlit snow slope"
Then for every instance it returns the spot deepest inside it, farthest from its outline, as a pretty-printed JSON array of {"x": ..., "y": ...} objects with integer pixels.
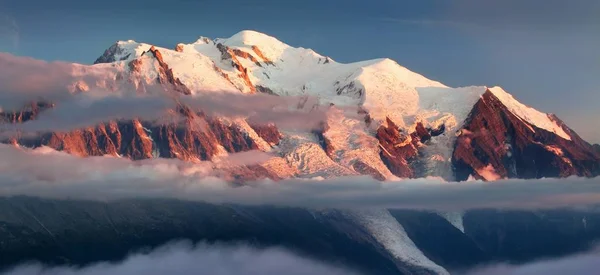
[{"x": 383, "y": 120}]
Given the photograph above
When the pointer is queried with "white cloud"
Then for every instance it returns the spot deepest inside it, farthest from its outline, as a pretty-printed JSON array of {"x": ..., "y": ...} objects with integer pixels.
[
  {"x": 583, "y": 264},
  {"x": 84, "y": 110},
  {"x": 50, "y": 174},
  {"x": 184, "y": 258},
  {"x": 26, "y": 80}
]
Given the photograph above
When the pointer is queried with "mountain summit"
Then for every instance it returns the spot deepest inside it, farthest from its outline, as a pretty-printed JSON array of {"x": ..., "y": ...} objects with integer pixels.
[{"x": 382, "y": 119}]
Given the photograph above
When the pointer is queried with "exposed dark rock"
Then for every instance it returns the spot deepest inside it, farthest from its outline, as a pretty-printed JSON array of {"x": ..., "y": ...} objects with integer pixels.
[
  {"x": 422, "y": 133},
  {"x": 269, "y": 133},
  {"x": 166, "y": 76},
  {"x": 399, "y": 150},
  {"x": 264, "y": 90},
  {"x": 262, "y": 56},
  {"x": 109, "y": 55},
  {"x": 245, "y": 55},
  {"x": 29, "y": 112},
  {"x": 349, "y": 88},
  {"x": 396, "y": 149},
  {"x": 223, "y": 74},
  {"x": 231, "y": 137},
  {"x": 136, "y": 140},
  {"x": 364, "y": 169},
  {"x": 323, "y": 140},
  {"x": 494, "y": 138},
  {"x": 242, "y": 175},
  {"x": 367, "y": 116},
  {"x": 231, "y": 54},
  {"x": 438, "y": 131},
  {"x": 193, "y": 138}
]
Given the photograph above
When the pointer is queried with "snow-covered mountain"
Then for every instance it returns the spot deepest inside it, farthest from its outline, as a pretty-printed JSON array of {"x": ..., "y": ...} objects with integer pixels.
[
  {"x": 382, "y": 120},
  {"x": 379, "y": 119}
]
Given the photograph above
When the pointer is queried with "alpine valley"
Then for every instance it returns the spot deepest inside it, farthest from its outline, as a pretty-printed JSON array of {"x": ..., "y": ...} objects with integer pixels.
[{"x": 323, "y": 120}]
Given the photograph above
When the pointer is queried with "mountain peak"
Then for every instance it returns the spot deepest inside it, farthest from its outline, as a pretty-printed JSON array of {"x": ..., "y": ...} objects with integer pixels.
[
  {"x": 122, "y": 50},
  {"x": 388, "y": 121},
  {"x": 202, "y": 40},
  {"x": 528, "y": 114},
  {"x": 250, "y": 37}
]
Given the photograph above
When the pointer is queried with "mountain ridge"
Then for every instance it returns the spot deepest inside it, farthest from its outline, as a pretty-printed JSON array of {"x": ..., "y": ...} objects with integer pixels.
[
  {"x": 375, "y": 118},
  {"x": 401, "y": 124}
]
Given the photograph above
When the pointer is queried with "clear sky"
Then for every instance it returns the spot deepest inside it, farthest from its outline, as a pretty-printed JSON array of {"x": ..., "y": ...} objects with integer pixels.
[{"x": 545, "y": 52}]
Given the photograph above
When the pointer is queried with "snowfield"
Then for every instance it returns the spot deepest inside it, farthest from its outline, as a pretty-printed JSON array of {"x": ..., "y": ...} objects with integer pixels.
[{"x": 250, "y": 62}]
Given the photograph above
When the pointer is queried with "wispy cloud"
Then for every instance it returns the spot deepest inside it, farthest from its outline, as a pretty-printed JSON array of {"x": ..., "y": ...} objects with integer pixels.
[
  {"x": 50, "y": 174},
  {"x": 185, "y": 258},
  {"x": 85, "y": 110},
  {"x": 582, "y": 264},
  {"x": 105, "y": 98},
  {"x": 24, "y": 80}
]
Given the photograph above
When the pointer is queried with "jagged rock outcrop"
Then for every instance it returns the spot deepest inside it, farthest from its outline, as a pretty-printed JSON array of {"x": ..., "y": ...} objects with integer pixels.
[
  {"x": 110, "y": 54},
  {"x": 260, "y": 54},
  {"x": 269, "y": 133},
  {"x": 165, "y": 73},
  {"x": 29, "y": 112},
  {"x": 324, "y": 141},
  {"x": 495, "y": 143},
  {"x": 399, "y": 150},
  {"x": 364, "y": 169},
  {"x": 198, "y": 138},
  {"x": 264, "y": 90},
  {"x": 232, "y": 54},
  {"x": 189, "y": 136}
]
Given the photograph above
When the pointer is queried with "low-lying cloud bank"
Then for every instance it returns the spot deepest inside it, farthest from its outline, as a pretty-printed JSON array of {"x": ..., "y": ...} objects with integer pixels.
[
  {"x": 84, "y": 96},
  {"x": 47, "y": 173},
  {"x": 84, "y": 111},
  {"x": 25, "y": 79},
  {"x": 583, "y": 264},
  {"x": 184, "y": 258}
]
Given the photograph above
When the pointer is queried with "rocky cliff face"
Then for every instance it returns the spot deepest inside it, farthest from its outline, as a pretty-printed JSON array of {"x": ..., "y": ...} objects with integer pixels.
[
  {"x": 187, "y": 135},
  {"x": 29, "y": 112},
  {"x": 494, "y": 143},
  {"x": 400, "y": 151},
  {"x": 191, "y": 138},
  {"x": 597, "y": 147}
]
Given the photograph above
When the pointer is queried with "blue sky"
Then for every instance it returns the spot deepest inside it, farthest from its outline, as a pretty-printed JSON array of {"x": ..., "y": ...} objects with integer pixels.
[{"x": 545, "y": 52}]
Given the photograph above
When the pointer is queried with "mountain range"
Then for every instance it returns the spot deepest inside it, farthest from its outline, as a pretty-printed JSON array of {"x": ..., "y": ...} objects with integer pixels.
[
  {"x": 316, "y": 119},
  {"x": 381, "y": 119}
]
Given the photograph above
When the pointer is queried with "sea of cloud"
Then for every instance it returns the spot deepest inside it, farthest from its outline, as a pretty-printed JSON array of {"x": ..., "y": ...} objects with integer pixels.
[
  {"x": 186, "y": 258},
  {"x": 44, "y": 172},
  {"x": 580, "y": 264}
]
